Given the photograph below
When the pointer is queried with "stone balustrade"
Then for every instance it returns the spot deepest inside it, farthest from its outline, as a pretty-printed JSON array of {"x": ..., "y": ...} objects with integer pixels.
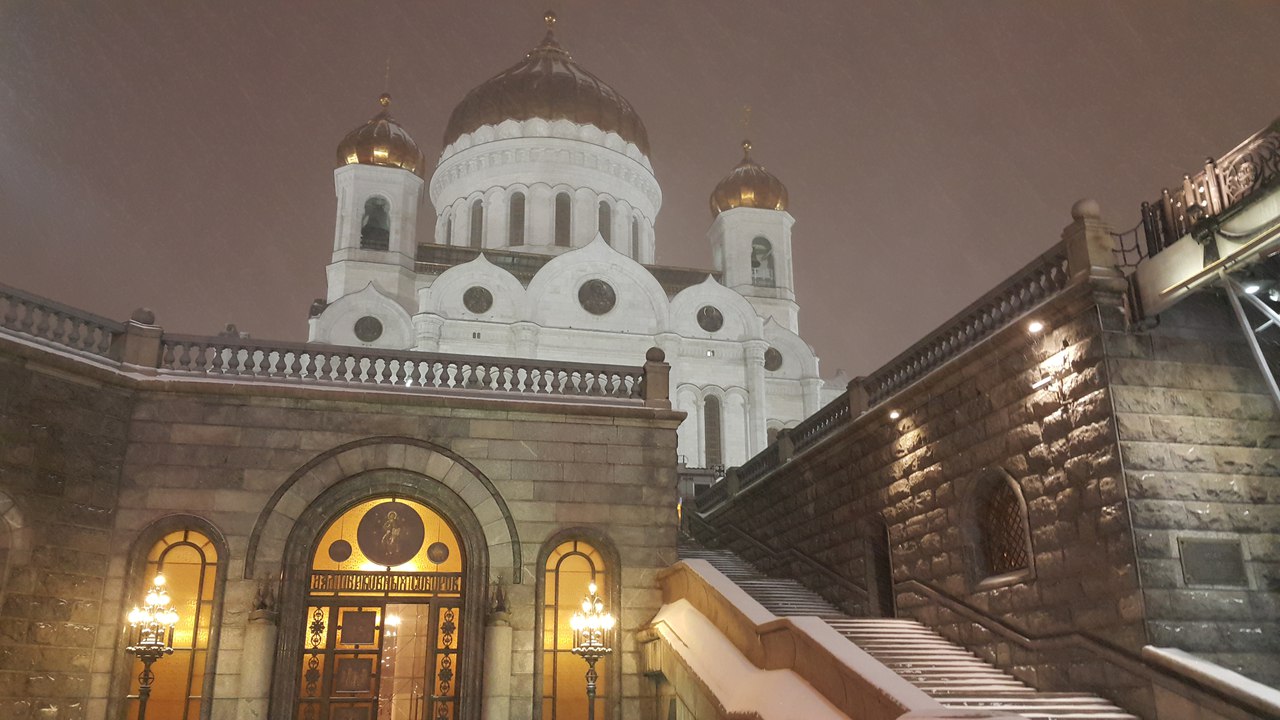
[
  {"x": 56, "y": 324},
  {"x": 141, "y": 345}
]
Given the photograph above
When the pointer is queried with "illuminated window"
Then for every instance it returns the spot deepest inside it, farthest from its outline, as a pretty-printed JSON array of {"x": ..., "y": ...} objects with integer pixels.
[
  {"x": 375, "y": 227},
  {"x": 762, "y": 263},
  {"x": 477, "y": 223},
  {"x": 570, "y": 568},
  {"x": 189, "y": 562},
  {"x": 381, "y": 635},
  {"x": 711, "y": 422},
  {"x": 606, "y": 222},
  {"x": 563, "y": 206},
  {"x": 515, "y": 227}
]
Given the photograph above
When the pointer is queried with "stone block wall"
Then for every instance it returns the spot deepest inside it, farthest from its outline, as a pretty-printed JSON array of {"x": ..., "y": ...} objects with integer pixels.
[
  {"x": 62, "y": 444},
  {"x": 1200, "y": 438},
  {"x": 92, "y": 462}
]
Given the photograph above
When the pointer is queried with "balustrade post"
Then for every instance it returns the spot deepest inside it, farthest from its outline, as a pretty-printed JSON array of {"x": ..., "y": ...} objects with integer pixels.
[
  {"x": 1091, "y": 246},
  {"x": 786, "y": 445},
  {"x": 731, "y": 482},
  {"x": 139, "y": 344},
  {"x": 657, "y": 379},
  {"x": 859, "y": 398}
]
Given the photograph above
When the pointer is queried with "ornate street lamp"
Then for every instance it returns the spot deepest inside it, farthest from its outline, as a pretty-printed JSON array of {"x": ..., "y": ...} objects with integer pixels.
[
  {"x": 151, "y": 636},
  {"x": 591, "y": 629}
]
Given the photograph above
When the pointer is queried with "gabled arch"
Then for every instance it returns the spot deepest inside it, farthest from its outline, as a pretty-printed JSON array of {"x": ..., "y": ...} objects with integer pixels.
[
  {"x": 444, "y": 297},
  {"x": 740, "y": 319},
  {"x": 641, "y": 302}
]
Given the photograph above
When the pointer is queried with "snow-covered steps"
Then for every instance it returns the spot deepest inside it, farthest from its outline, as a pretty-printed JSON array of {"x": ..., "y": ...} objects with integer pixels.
[{"x": 944, "y": 670}]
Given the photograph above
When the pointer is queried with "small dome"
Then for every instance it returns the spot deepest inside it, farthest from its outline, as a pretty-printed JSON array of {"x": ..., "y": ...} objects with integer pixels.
[
  {"x": 549, "y": 85},
  {"x": 749, "y": 185},
  {"x": 381, "y": 141}
]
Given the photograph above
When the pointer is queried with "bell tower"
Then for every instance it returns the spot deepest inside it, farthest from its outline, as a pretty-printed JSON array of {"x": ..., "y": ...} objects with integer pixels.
[
  {"x": 379, "y": 188},
  {"x": 750, "y": 239}
]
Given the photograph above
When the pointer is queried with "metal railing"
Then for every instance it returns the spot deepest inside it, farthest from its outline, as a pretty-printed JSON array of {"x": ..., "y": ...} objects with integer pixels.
[
  {"x": 1223, "y": 184},
  {"x": 56, "y": 324}
]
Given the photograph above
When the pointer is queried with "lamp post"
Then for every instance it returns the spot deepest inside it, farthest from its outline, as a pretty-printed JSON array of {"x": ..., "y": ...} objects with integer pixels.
[
  {"x": 591, "y": 629},
  {"x": 151, "y": 636}
]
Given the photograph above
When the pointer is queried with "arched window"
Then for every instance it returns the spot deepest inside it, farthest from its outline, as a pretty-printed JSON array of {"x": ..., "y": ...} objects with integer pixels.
[
  {"x": 375, "y": 226},
  {"x": 635, "y": 239},
  {"x": 477, "y": 223},
  {"x": 570, "y": 567},
  {"x": 762, "y": 263},
  {"x": 563, "y": 206},
  {"x": 515, "y": 226},
  {"x": 606, "y": 222},
  {"x": 189, "y": 561},
  {"x": 711, "y": 422},
  {"x": 1001, "y": 534}
]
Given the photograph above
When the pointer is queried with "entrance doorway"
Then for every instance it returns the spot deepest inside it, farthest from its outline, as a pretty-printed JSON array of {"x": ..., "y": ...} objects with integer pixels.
[
  {"x": 383, "y": 626},
  {"x": 880, "y": 559}
]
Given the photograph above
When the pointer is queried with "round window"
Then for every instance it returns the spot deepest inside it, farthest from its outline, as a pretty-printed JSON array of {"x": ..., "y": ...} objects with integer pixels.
[
  {"x": 710, "y": 318},
  {"x": 477, "y": 299},
  {"x": 368, "y": 328},
  {"x": 772, "y": 359},
  {"x": 597, "y": 297}
]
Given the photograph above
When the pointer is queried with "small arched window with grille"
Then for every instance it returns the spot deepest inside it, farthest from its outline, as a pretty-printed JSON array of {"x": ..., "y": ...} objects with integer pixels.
[
  {"x": 712, "y": 436},
  {"x": 477, "y": 223},
  {"x": 515, "y": 219},
  {"x": 563, "y": 207},
  {"x": 1003, "y": 538},
  {"x": 762, "y": 271},
  {"x": 375, "y": 225},
  {"x": 606, "y": 222}
]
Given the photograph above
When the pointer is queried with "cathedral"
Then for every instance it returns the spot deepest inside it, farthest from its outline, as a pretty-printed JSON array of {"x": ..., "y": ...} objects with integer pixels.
[
  {"x": 545, "y": 201},
  {"x": 463, "y": 497}
]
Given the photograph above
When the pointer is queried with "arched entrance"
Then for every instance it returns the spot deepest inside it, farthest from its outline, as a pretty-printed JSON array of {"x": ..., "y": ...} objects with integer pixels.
[{"x": 383, "y": 622}]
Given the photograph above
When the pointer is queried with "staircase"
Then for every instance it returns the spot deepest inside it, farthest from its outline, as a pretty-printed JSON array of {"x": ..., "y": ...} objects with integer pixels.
[{"x": 947, "y": 672}]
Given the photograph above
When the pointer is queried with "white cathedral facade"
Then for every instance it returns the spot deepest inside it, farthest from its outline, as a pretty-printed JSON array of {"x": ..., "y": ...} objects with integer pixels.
[{"x": 544, "y": 246}]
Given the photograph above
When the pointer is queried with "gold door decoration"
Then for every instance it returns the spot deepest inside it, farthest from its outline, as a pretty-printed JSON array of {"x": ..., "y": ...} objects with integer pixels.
[
  {"x": 570, "y": 568},
  {"x": 382, "y": 630}
]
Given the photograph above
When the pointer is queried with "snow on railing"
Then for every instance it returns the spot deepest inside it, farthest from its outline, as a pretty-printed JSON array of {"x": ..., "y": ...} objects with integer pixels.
[{"x": 56, "y": 324}]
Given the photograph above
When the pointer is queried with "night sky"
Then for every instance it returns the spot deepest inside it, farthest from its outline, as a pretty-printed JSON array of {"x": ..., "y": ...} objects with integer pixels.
[{"x": 179, "y": 155}]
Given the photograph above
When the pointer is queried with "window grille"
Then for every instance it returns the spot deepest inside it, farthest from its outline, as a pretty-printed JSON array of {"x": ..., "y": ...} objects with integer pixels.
[{"x": 1003, "y": 530}]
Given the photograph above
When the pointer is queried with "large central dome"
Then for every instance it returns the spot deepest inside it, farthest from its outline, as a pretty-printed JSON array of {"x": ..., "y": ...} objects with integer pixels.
[{"x": 549, "y": 85}]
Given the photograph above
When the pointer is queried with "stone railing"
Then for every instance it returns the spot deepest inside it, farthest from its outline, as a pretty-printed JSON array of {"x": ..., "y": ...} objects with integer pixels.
[
  {"x": 395, "y": 369},
  {"x": 822, "y": 423},
  {"x": 144, "y": 348},
  {"x": 1043, "y": 278},
  {"x": 56, "y": 324},
  {"x": 1223, "y": 184}
]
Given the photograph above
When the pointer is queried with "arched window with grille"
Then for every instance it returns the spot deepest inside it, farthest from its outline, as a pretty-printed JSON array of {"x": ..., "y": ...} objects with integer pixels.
[
  {"x": 477, "y": 223},
  {"x": 515, "y": 220},
  {"x": 762, "y": 271},
  {"x": 573, "y": 560},
  {"x": 375, "y": 224},
  {"x": 189, "y": 558},
  {"x": 1001, "y": 535},
  {"x": 712, "y": 421},
  {"x": 606, "y": 222},
  {"x": 563, "y": 207}
]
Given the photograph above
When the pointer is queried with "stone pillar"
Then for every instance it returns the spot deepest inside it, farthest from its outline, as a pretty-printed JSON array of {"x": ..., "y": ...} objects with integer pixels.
[
  {"x": 257, "y": 663},
  {"x": 586, "y": 216},
  {"x": 525, "y": 335},
  {"x": 859, "y": 399},
  {"x": 657, "y": 379},
  {"x": 540, "y": 209},
  {"x": 1090, "y": 244},
  {"x": 753, "y": 359},
  {"x": 427, "y": 328},
  {"x": 496, "y": 704},
  {"x": 496, "y": 211},
  {"x": 735, "y": 433},
  {"x": 812, "y": 400},
  {"x": 140, "y": 343}
]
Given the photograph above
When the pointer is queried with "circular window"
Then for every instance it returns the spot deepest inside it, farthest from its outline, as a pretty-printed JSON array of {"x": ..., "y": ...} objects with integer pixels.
[
  {"x": 772, "y": 359},
  {"x": 477, "y": 299},
  {"x": 710, "y": 318},
  {"x": 368, "y": 328},
  {"x": 597, "y": 297}
]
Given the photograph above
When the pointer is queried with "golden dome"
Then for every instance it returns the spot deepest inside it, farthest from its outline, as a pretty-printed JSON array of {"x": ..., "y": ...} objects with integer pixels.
[
  {"x": 381, "y": 141},
  {"x": 547, "y": 84},
  {"x": 748, "y": 185}
]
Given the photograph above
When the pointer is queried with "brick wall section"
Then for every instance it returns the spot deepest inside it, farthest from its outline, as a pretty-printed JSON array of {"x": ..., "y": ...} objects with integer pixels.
[
  {"x": 62, "y": 445},
  {"x": 978, "y": 412},
  {"x": 1200, "y": 436}
]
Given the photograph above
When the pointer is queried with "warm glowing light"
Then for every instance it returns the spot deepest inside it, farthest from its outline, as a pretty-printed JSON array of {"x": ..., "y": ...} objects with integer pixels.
[
  {"x": 380, "y": 153},
  {"x": 1035, "y": 327},
  {"x": 352, "y": 159},
  {"x": 392, "y": 621},
  {"x": 894, "y": 414},
  {"x": 1252, "y": 288}
]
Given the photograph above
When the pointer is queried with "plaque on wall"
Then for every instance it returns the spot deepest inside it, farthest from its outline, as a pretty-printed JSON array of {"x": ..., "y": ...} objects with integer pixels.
[
  {"x": 357, "y": 627},
  {"x": 390, "y": 534},
  {"x": 1212, "y": 561},
  {"x": 353, "y": 675}
]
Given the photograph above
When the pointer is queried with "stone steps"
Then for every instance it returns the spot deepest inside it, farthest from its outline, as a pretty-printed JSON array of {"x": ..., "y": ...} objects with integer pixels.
[{"x": 948, "y": 672}]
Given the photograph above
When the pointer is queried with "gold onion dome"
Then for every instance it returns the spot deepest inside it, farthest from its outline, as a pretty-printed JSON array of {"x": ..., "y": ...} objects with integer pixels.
[
  {"x": 381, "y": 141},
  {"x": 748, "y": 185},
  {"x": 549, "y": 85}
]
